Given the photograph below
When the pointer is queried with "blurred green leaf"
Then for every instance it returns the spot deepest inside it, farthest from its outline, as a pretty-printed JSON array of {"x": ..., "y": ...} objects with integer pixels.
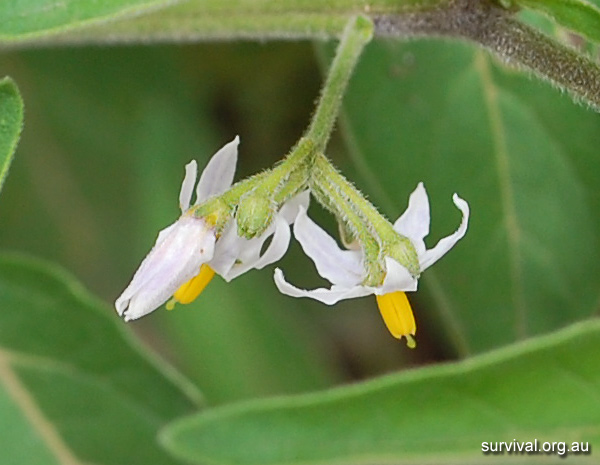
[
  {"x": 80, "y": 387},
  {"x": 245, "y": 340},
  {"x": 545, "y": 389},
  {"x": 38, "y": 17},
  {"x": 523, "y": 159},
  {"x": 11, "y": 123},
  {"x": 21, "y": 442},
  {"x": 579, "y": 16}
]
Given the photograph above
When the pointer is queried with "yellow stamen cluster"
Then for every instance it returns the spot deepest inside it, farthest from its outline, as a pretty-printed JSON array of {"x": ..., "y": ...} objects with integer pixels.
[
  {"x": 189, "y": 291},
  {"x": 398, "y": 316}
]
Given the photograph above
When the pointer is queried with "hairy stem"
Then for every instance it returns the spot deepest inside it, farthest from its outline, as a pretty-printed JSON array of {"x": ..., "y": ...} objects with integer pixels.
[{"x": 356, "y": 35}]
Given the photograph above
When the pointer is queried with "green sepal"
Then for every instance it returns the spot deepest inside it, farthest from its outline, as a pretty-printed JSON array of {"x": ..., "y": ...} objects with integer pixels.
[
  {"x": 403, "y": 251},
  {"x": 254, "y": 215}
]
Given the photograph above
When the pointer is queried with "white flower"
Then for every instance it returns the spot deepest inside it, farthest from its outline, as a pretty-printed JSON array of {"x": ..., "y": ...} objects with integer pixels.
[
  {"x": 187, "y": 253},
  {"x": 178, "y": 254},
  {"x": 345, "y": 270}
]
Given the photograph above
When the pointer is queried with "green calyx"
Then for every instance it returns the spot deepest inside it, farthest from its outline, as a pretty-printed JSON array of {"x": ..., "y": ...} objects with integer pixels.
[
  {"x": 215, "y": 211},
  {"x": 403, "y": 251},
  {"x": 254, "y": 214}
]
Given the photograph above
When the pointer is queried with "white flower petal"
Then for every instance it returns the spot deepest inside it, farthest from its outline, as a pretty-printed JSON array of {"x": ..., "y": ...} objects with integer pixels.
[
  {"x": 164, "y": 233},
  {"x": 327, "y": 296},
  {"x": 227, "y": 249},
  {"x": 278, "y": 246},
  {"x": 414, "y": 222},
  {"x": 145, "y": 269},
  {"x": 397, "y": 278},
  {"x": 219, "y": 172},
  {"x": 187, "y": 187},
  {"x": 248, "y": 255},
  {"x": 341, "y": 267},
  {"x": 445, "y": 244},
  {"x": 291, "y": 208},
  {"x": 176, "y": 258}
]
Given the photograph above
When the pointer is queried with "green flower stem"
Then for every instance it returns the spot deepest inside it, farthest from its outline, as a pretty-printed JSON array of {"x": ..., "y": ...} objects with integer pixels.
[
  {"x": 329, "y": 195},
  {"x": 290, "y": 176},
  {"x": 379, "y": 223},
  {"x": 296, "y": 182},
  {"x": 371, "y": 223},
  {"x": 232, "y": 196},
  {"x": 357, "y": 34}
]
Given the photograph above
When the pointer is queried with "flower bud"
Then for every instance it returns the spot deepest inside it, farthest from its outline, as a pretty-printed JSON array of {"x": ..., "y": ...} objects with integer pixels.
[{"x": 254, "y": 215}]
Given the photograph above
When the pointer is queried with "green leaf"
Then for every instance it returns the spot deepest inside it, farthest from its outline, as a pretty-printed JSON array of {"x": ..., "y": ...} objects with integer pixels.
[
  {"x": 39, "y": 17},
  {"x": 75, "y": 384},
  {"x": 513, "y": 149},
  {"x": 21, "y": 443},
  {"x": 580, "y": 16},
  {"x": 11, "y": 123},
  {"x": 545, "y": 389},
  {"x": 136, "y": 20}
]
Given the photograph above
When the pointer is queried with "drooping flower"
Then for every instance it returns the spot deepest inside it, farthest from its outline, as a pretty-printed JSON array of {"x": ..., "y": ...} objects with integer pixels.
[
  {"x": 346, "y": 272},
  {"x": 187, "y": 253}
]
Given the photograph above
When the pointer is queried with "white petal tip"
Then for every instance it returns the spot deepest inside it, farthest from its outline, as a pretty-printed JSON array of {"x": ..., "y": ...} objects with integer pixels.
[
  {"x": 462, "y": 205},
  {"x": 187, "y": 186},
  {"x": 120, "y": 305},
  {"x": 278, "y": 274}
]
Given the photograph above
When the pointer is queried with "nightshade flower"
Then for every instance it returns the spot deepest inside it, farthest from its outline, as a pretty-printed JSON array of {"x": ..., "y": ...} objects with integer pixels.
[
  {"x": 187, "y": 253},
  {"x": 346, "y": 272}
]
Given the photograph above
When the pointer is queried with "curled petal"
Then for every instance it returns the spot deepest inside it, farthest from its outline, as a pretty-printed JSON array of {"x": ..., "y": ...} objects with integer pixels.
[
  {"x": 175, "y": 258},
  {"x": 445, "y": 244},
  {"x": 327, "y": 296},
  {"x": 187, "y": 187},
  {"x": 340, "y": 267},
  {"x": 414, "y": 222},
  {"x": 218, "y": 174}
]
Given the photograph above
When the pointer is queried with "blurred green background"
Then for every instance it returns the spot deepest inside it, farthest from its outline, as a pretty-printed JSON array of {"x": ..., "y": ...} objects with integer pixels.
[
  {"x": 108, "y": 131},
  {"x": 97, "y": 173}
]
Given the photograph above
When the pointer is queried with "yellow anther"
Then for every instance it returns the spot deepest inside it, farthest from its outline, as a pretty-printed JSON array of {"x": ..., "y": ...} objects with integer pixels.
[
  {"x": 189, "y": 291},
  {"x": 398, "y": 316}
]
